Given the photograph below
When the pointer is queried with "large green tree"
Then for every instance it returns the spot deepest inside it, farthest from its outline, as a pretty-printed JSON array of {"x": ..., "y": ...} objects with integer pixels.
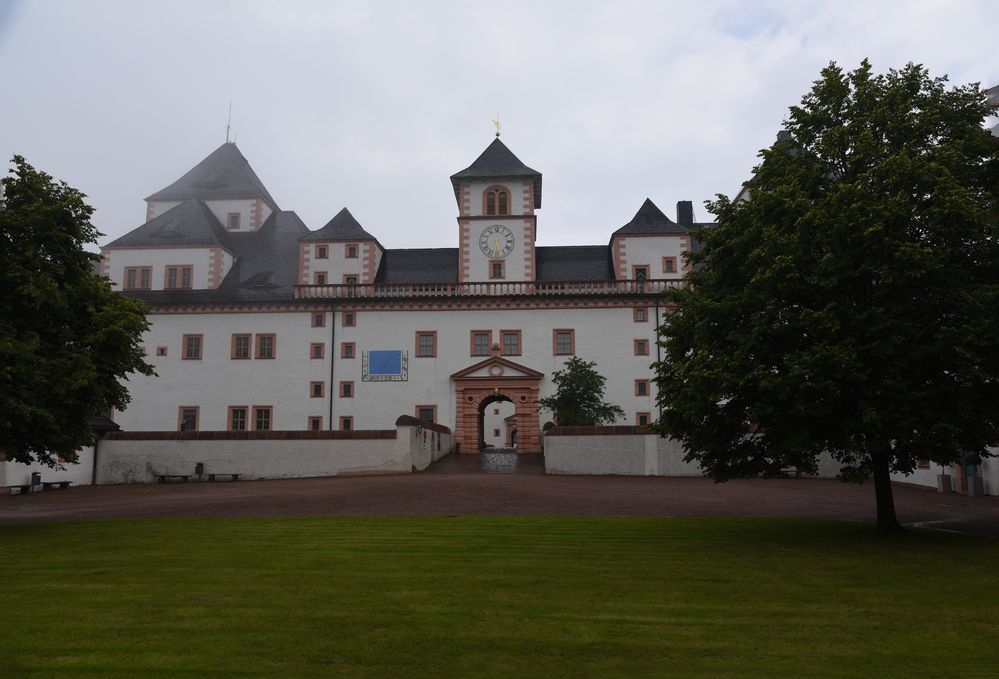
[
  {"x": 67, "y": 341},
  {"x": 579, "y": 393},
  {"x": 851, "y": 305}
]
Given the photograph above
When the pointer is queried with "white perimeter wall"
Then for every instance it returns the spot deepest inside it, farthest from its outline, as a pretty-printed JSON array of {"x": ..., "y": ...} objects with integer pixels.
[
  {"x": 619, "y": 454},
  {"x": 15, "y": 473}
]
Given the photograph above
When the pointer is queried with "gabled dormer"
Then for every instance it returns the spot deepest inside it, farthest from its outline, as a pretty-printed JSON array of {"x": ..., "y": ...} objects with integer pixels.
[
  {"x": 651, "y": 245},
  {"x": 497, "y": 228},
  {"x": 227, "y": 185},
  {"x": 340, "y": 253}
]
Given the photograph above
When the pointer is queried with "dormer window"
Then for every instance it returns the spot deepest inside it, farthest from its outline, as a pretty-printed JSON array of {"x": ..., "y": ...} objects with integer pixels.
[
  {"x": 322, "y": 252},
  {"x": 351, "y": 251},
  {"x": 178, "y": 277},
  {"x": 497, "y": 201},
  {"x": 232, "y": 221}
]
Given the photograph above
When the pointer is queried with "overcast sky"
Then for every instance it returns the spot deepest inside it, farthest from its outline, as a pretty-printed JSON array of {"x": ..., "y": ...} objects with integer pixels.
[{"x": 373, "y": 105}]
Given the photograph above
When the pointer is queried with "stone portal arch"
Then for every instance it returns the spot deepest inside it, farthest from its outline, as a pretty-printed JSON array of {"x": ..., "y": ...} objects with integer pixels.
[{"x": 493, "y": 379}]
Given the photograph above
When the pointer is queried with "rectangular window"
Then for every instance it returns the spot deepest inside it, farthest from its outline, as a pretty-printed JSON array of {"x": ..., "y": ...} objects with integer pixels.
[
  {"x": 349, "y": 319},
  {"x": 350, "y": 279},
  {"x": 426, "y": 344},
  {"x": 641, "y": 347},
  {"x": 187, "y": 418},
  {"x": 669, "y": 264},
  {"x": 510, "y": 342},
  {"x": 192, "y": 347},
  {"x": 426, "y": 413},
  {"x": 138, "y": 277},
  {"x": 319, "y": 278},
  {"x": 350, "y": 251},
  {"x": 497, "y": 269},
  {"x": 317, "y": 350},
  {"x": 640, "y": 314},
  {"x": 347, "y": 350},
  {"x": 642, "y": 419},
  {"x": 315, "y": 424},
  {"x": 346, "y": 423},
  {"x": 240, "y": 346},
  {"x": 346, "y": 390},
  {"x": 179, "y": 277},
  {"x": 161, "y": 351},
  {"x": 481, "y": 339},
  {"x": 237, "y": 418},
  {"x": 496, "y": 432},
  {"x": 641, "y": 387},
  {"x": 564, "y": 342},
  {"x": 232, "y": 220},
  {"x": 922, "y": 464},
  {"x": 266, "y": 346},
  {"x": 322, "y": 252},
  {"x": 262, "y": 418},
  {"x": 317, "y": 389},
  {"x": 319, "y": 320}
]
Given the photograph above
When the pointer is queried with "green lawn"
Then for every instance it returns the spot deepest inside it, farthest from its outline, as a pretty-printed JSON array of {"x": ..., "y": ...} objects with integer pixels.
[{"x": 562, "y": 596}]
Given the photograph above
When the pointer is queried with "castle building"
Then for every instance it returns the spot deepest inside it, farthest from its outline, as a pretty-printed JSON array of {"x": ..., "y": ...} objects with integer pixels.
[{"x": 259, "y": 323}]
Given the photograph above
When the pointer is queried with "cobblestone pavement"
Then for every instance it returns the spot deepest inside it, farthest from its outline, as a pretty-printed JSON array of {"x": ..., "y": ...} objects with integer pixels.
[{"x": 506, "y": 494}]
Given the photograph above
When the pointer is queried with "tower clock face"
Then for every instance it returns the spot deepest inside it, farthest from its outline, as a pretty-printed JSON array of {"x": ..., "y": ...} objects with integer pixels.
[{"x": 496, "y": 241}]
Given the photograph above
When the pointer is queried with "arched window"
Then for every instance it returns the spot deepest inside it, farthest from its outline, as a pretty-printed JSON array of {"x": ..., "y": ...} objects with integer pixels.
[{"x": 497, "y": 201}]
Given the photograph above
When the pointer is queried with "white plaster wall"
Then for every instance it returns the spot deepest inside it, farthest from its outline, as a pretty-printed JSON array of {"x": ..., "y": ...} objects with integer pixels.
[
  {"x": 159, "y": 259},
  {"x": 478, "y": 263},
  {"x": 222, "y": 208},
  {"x": 426, "y": 445},
  {"x": 650, "y": 250},
  {"x": 495, "y": 421},
  {"x": 337, "y": 265},
  {"x": 622, "y": 454},
  {"x": 156, "y": 208},
  {"x": 516, "y": 189},
  {"x": 16, "y": 473}
]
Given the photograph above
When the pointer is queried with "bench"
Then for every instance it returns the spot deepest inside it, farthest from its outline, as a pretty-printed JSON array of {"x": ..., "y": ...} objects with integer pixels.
[
  {"x": 234, "y": 477},
  {"x": 163, "y": 477},
  {"x": 21, "y": 488},
  {"x": 56, "y": 485}
]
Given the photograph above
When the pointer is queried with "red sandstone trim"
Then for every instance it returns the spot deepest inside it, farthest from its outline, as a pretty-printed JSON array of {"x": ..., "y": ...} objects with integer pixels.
[
  {"x": 184, "y": 346},
  {"x": 315, "y": 355},
  {"x": 228, "y": 420},
  {"x": 180, "y": 417},
  {"x": 433, "y": 351},
  {"x": 497, "y": 188},
  {"x": 344, "y": 349},
  {"x": 572, "y": 342},
  {"x": 303, "y": 264},
  {"x": 256, "y": 348}
]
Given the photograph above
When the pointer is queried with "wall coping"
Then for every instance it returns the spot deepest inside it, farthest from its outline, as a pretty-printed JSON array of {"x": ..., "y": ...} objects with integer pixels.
[
  {"x": 360, "y": 435},
  {"x": 410, "y": 421},
  {"x": 603, "y": 430}
]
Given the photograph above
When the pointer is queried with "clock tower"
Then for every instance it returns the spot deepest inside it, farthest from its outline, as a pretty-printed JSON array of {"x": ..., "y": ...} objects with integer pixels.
[{"x": 497, "y": 196}]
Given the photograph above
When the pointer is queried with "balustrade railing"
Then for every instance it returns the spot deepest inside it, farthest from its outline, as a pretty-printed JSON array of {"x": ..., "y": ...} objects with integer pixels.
[{"x": 488, "y": 288}]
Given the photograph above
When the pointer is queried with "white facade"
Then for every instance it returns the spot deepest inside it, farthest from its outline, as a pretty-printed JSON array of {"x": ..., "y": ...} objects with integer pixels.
[{"x": 78, "y": 473}]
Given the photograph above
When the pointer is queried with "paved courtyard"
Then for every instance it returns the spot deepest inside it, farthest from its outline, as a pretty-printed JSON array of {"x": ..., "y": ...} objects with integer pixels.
[{"x": 462, "y": 492}]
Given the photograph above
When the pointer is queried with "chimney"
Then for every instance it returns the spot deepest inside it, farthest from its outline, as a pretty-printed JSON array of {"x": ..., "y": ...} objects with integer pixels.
[{"x": 685, "y": 213}]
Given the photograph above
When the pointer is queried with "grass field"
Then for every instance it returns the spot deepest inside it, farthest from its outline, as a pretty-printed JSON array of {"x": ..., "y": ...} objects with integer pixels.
[{"x": 494, "y": 596}]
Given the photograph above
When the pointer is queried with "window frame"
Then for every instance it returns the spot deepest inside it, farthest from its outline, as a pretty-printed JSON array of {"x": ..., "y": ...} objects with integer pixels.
[
  {"x": 185, "y": 347},
  {"x": 572, "y": 341},
  {"x": 317, "y": 393},
  {"x": 640, "y": 311},
  {"x": 314, "y": 420},
  {"x": 641, "y": 347},
  {"x": 420, "y": 334},
  {"x": 313, "y": 354},
  {"x": 319, "y": 278},
  {"x": 493, "y": 264},
  {"x": 179, "y": 271},
  {"x": 635, "y": 268},
  {"x": 318, "y": 319},
  {"x": 138, "y": 272},
  {"x": 257, "y": 411},
  {"x": 353, "y": 350},
  {"x": 643, "y": 383},
  {"x": 520, "y": 342},
  {"x": 322, "y": 252},
  {"x": 638, "y": 418},
  {"x": 349, "y": 248},
  {"x": 346, "y": 385},
  {"x": 233, "y": 346},
  {"x": 257, "y": 347},
  {"x": 180, "y": 417},
  {"x": 246, "y": 418},
  {"x": 431, "y": 408},
  {"x": 348, "y": 316},
  {"x": 229, "y": 222},
  {"x": 489, "y": 342},
  {"x": 346, "y": 423},
  {"x": 672, "y": 261}
]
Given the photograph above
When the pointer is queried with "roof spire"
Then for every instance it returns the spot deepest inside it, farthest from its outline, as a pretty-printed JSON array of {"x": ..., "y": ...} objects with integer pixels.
[
  {"x": 497, "y": 124},
  {"x": 227, "y": 122}
]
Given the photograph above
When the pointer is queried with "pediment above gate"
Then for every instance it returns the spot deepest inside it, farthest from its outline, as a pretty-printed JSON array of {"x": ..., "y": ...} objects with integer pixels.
[{"x": 496, "y": 367}]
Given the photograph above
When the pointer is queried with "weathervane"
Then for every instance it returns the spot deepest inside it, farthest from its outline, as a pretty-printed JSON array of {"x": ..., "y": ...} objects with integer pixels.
[
  {"x": 497, "y": 124},
  {"x": 228, "y": 122}
]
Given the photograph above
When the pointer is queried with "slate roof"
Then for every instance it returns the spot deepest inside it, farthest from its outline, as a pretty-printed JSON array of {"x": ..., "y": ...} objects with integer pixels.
[
  {"x": 649, "y": 220},
  {"x": 184, "y": 225},
  {"x": 342, "y": 227},
  {"x": 224, "y": 174},
  {"x": 498, "y": 162},
  {"x": 422, "y": 265},
  {"x": 574, "y": 263}
]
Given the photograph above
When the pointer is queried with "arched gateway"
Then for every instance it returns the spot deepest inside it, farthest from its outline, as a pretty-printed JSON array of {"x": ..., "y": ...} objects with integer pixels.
[{"x": 493, "y": 379}]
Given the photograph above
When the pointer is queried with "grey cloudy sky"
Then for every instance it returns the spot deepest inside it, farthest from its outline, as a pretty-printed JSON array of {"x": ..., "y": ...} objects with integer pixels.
[{"x": 373, "y": 105}]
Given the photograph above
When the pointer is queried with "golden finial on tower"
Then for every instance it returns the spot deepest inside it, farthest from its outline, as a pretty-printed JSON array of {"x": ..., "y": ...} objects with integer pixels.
[{"x": 497, "y": 124}]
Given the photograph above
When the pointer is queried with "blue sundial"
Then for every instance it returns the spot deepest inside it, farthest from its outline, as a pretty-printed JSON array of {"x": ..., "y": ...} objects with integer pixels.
[{"x": 385, "y": 362}]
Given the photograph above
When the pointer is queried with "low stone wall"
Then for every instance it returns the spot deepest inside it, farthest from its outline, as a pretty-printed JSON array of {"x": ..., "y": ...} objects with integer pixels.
[
  {"x": 620, "y": 450},
  {"x": 137, "y": 457}
]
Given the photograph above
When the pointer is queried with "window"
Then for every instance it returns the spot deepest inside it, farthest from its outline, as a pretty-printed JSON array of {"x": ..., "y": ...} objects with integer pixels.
[
  {"x": 510, "y": 342},
  {"x": 192, "y": 347},
  {"x": 187, "y": 418},
  {"x": 564, "y": 342},
  {"x": 237, "y": 418},
  {"x": 346, "y": 390},
  {"x": 350, "y": 251},
  {"x": 232, "y": 220},
  {"x": 669, "y": 264},
  {"x": 497, "y": 269},
  {"x": 265, "y": 346},
  {"x": 315, "y": 424},
  {"x": 262, "y": 416},
  {"x": 641, "y": 387},
  {"x": 497, "y": 201},
  {"x": 349, "y": 319},
  {"x": 178, "y": 277},
  {"x": 640, "y": 272},
  {"x": 426, "y": 344},
  {"x": 322, "y": 252},
  {"x": 161, "y": 351},
  {"x": 481, "y": 339},
  {"x": 495, "y": 411},
  {"x": 317, "y": 389},
  {"x": 319, "y": 278},
  {"x": 641, "y": 347},
  {"x": 922, "y": 464},
  {"x": 317, "y": 350},
  {"x": 640, "y": 314},
  {"x": 350, "y": 279},
  {"x": 426, "y": 413},
  {"x": 347, "y": 350},
  {"x": 240, "y": 346},
  {"x": 346, "y": 423},
  {"x": 642, "y": 419},
  {"x": 496, "y": 432},
  {"x": 138, "y": 277}
]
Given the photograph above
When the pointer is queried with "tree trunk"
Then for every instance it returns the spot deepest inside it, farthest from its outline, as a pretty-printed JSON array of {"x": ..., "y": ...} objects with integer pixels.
[{"x": 887, "y": 521}]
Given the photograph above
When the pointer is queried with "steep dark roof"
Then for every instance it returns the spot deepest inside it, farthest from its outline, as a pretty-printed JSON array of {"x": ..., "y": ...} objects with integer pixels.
[
  {"x": 190, "y": 223},
  {"x": 649, "y": 220},
  {"x": 574, "y": 263},
  {"x": 224, "y": 174},
  {"x": 498, "y": 162},
  {"x": 342, "y": 227},
  {"x": 428, "y": 265}
]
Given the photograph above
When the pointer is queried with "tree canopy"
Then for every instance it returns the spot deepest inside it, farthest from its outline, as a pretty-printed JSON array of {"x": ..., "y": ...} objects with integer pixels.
[
  {"x": 579, "y": 393},
  {"x": 851, "y": 305},
  {"x": 67, "y": 341}
]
